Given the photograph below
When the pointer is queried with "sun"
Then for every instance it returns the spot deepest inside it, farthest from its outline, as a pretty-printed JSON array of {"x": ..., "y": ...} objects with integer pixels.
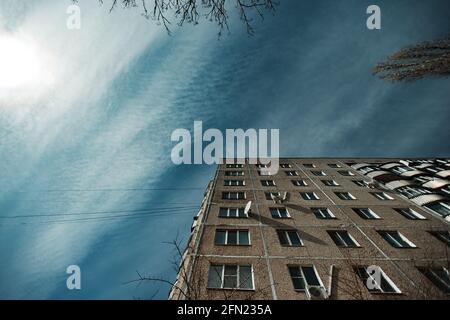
[{"x": 19, "y": 63}]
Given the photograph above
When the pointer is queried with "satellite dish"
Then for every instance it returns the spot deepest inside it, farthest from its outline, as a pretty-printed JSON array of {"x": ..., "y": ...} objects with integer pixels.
[{"x": 248, "y": 207}]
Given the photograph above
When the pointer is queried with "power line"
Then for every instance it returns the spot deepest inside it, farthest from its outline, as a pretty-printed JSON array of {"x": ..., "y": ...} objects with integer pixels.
[
  {"x": 107, "y": 218},
  {"x": 114, "y": 189},
  {"x": 164, "y": 209}
]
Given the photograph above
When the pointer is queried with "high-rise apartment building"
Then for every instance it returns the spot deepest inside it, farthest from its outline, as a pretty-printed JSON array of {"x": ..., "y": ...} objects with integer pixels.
[{"x": 322, "y": 229}]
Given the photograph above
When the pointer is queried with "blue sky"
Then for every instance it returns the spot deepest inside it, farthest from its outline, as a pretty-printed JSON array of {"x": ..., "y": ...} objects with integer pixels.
[{"x": 95, "y": 135}]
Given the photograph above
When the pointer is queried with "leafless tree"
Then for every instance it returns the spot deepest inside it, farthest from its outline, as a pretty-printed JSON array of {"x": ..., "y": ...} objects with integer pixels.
[
  {"x": 192, "y": 286},
  {"x": 425, "y": 59},
  {"x": 190, "y": 11}
]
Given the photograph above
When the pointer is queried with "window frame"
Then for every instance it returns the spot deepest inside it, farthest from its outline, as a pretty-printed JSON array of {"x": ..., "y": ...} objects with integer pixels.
[
  {"x": 237, "y": 244},
  {"x": 317, "y": 210},
  {"x": 228, "y": 209},
  {"x": 288, "y": 215},
  {"x": 238, "y": 275},
  {"x": 403, "y": 238},
  {"x": 305, "y": 196},
  {"x": 372, "y": 215},
  {"x": 342, "y": 243},
  {"x": 288, "y": 238}
]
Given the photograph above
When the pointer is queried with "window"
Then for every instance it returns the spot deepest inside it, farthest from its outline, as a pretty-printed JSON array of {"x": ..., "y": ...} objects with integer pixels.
[
  {"x": 323, "y": 213},
  {"x": 411, "y": 192},
  {"x": 334, "y": 165},
  {"x": 234, "y": 173},
  {"x": 303, "y": 276},
  {"x": 309, "y": 195},
  {"x": 234, "y": 166},
  {"x": 359, "y": 183},
  {"x": 382, "y": 196},
  {"x": 285, "y": 165},
  {"x": 232, "y": 237},
  {"x": 262, "y": 165},
  {"x": 230, "y": 277},
  {"x": 439, "y": 276},
  {"x": 346, "y": 173},
  {"x": 271, "y": 195},
  {"x": 423, "y": 179},
  {"x": 291, "y": 173},
  {"x": 366, "y": 213},
  {"x": 330, "y": 183},
  {"x": 342, "y": 238},
  {"x": 444, "y": 236},
  {"x": 268, "y": 183},
  {"x": 232, "y": 213},
  {"x": 318, "y": 173},
  {"x": 345, "y": 196},
  {"x": 309, "y": 165},
  {"x": 234, "y": 183},
  {"x": 366, "y": 170},
  {"x": 446, "y": 190},
  {"x": 386, "y": 285},
  {"x": 264, "y": 173},
  {"x": 299, "y": 183},
  {"x": 233, "y": 195},
  {"x": 441, "y": 208},
  {"x": 289, "y": 238},
  {"x": 410, "y": 214},
  {"x": 279, "y": 213},
  {"x": 396, "y": 239},
  {"x": 400, "y": 170}
]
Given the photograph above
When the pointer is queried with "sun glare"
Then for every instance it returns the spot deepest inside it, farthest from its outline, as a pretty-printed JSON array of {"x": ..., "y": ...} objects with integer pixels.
[{"x": 19, "y": 63}]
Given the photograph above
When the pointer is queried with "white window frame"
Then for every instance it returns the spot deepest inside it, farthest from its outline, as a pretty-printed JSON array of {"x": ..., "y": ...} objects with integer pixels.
[
  {"x": 382, "y": 196},
  {"x": 355, "y": 245},
  {"x": 238, "y": 231},
  {"x": 330, "y": 214},
  {"x": 234, "y": 173},
  {"x": 384, "y": 233},
  {"x": 371, "y": 215},
  {"x": 279, "y": 214},
  {"x": 286, "y": 232},
  {"x": 333, "y": 183},
  {"x": 222, "y": 277},
  {"x": 229, "y": 183},
  {"x": 229, "y": 193},
  {"x": 345, "y": 194},
  {"x": 307, "y": 194},
  {"x": 319, "y": 173},
  {"x": 233, "y": 208},
  {"x": 410, "y": 212},
  {"x": 305, "y": 284},
  {"x": 292, "y": 173},
  {"x": 271, "y": 184},
  {"x": 388, "y": 280},
  {"x": 295, "y": 183}
]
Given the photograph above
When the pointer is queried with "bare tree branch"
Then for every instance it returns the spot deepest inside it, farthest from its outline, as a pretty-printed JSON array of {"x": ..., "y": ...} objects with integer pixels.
[
  {"x": 190, "y": 11},
  {"x": 425, "y": 59}
]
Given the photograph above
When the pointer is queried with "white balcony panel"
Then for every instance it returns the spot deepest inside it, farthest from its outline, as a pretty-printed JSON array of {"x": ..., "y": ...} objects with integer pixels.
[
  {"x": 376, "y": 173},
  {"x": 359, "y": 165},
  {"x": 390, "y": 165},
  {"x": 398, "y": 184},
  {"x": 427, "y": 198},
  {"x": 444, "y": 174},
  {"x": 411, "y": 173},
  {"x": 436, "y": 183}
]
